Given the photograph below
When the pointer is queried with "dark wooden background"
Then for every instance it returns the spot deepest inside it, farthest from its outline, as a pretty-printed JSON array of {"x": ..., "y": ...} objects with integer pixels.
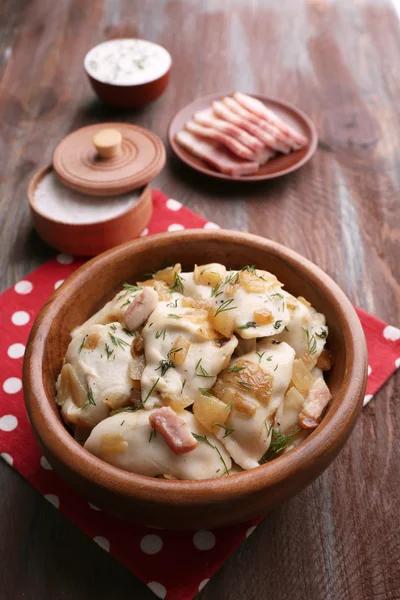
[{"x": 339, "y": 62}]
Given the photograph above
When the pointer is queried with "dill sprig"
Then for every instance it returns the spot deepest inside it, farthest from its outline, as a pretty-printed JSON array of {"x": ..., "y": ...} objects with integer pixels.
[
  {"x": 174, "y": 351},
  {"x": 203, "y": 371},
  {"x": 231, "y": 278},
  {"x": 118, "y": 341},
  {"x": 322, "y": 334},
  {"x": 204, "y": 392},
  {"x": 161, "y": 333},
  {"x": 183, "y": 385},
  {"x": 164, "y": 366},
  {"x": 178, "y": 283},
  {"x": 250, "y": 268},
  {"x": 172, "y": 316},
  {"x": 228, "y": 430},
  {"x": 245, "y": 384},
  {"x": 248, "y": 325},
  {"x": 173, "y": 304},
  {"x": 277, "y": 324},
  {"x": 235, "y": 369},
  {"x": 82, "y": 344},
  {"x": 153, "y": 387},
  {"x": 129, "y": 333},
  {"x": 153, "y": 433},
  {"x": 131, "y": 288},
  {"x": 311, "y": 341},
  {"x": 124, "y": 409},
  {"x": 204, "y": 440},
  {"x": 260, "y": 355},
  {"x": 90, "y": 398},
  {"x": 226, "y": 305},
  {"x": 108, "y": 350},
  {"x": 279, "y": 441},
  {"x": 214, "y": 290}
]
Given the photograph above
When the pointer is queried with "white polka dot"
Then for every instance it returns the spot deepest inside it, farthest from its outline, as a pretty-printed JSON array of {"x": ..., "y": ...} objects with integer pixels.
[
  {"x": 369, "y": 370},
  {"x": 20, "y": 317},
  {"x": 211, "y": 225},
  {"x": 58, "y": 283},
  {"x": 23, "y": 287},
  {"x": 144, "y": 232},
  {"x": 151, "y": 544},
  {"x": 173, "y": 204},
  {"x": 102, "y": 542},
  {"x": 7, "y": 458},
  {"x": 93, "y": 506},
  {"x": 203, "y": 584},
  {"x": 391, "y": 333},
  {"x": 16, "y": 350},
  {"x": 64, "y": 259},
  {"x": 8, "y": 423},
  {"x": 53, "y": 499},
  {"x": 397, "y": 363},
  {"x": 157, "y": 589},
  {"x": 12, "y": 385},
  {"x": 45, "y": 464},
  {"x": 367, "y": 399},
  {"x": 250, "y": 531},
  {"x": 204, "y": 540},
  {"x": 175, "y": 227}
]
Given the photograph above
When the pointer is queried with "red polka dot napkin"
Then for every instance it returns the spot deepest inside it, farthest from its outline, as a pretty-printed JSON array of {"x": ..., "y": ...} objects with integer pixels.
[{"x": 149, "y": 554}]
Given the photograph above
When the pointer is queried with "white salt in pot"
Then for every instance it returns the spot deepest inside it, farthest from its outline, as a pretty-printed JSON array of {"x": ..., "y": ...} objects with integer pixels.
[{"x": 113, "y": 181}]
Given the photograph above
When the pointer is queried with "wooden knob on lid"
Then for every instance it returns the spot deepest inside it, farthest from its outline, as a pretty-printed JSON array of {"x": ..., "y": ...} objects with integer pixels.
[{"x": 108, "y": 142}]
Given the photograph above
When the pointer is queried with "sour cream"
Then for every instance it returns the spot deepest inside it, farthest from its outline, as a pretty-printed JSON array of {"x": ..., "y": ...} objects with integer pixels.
[{"x": 127, "y": 62}]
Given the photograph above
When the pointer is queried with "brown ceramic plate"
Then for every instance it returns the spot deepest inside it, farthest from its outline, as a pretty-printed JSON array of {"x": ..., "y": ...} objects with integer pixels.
[
  {"x": 210, "y": 502},
  {"x": 277, "y": 166}
]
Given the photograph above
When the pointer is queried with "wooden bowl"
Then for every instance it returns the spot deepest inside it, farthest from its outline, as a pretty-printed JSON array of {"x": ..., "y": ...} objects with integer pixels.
[
  {"x": 125, "y": 95},
  {"x": 130, "y": 96},
  {"x": 213, "y": 502},
  {"x": 90, "y": 239}
]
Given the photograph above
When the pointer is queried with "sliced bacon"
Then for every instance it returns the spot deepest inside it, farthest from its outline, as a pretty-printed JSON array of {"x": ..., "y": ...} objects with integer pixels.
[
  {"x": 224, "y": 112},
  {"x": 276, "y": 133},
  {"x": 217, "y": 136},
  {"x": 258, "y": 108},
  {"x": 264, "y": 155},
  {"x": 217, "y": 156},
  {"x": 317, "y": 399},
  {"x": 207, "y": 118},
  {"x": 174, "y": 430},
  {"x": 140, "y": 308}
]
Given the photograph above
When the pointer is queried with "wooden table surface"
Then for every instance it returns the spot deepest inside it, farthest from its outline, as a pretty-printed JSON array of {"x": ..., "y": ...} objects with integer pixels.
[{"x": 339, "y": 62}]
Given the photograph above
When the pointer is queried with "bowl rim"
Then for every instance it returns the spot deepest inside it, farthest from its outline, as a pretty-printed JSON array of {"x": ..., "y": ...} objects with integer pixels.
[
  {"x": 126, "y": 85},
  {"x": 334, "y": 428}
]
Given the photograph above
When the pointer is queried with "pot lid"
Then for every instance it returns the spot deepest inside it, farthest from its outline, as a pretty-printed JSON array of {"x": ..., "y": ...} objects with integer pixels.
[{"x": 108, "y": 159}]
